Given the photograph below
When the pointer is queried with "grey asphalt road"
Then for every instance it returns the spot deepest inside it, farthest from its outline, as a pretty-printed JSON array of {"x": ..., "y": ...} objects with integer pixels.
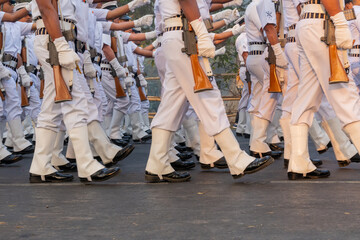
[{"x": 264, "y": 205}]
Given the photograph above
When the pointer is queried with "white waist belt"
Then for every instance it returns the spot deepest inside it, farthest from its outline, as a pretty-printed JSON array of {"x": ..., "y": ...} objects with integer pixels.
[
  {"x": 67, "y": 25},
  {"x": 354, "y": 51},
  {"x": 312, "y": 8},
  {"x": 173, "y": 22},
  {"x": 257, "y": 47}
]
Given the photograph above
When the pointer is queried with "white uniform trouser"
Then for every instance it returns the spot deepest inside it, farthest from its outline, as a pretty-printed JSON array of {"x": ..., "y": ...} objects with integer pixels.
[
  {"x": 3, "y": 150},
  {"x": 355, "y": 70},
  {"x": 73, "y": 113},
  {"x": 179, "y": 87},
  {"x": 314, "y": 83},
  {"x": 242, "y": 124},
  {"x": 257, "y": 75},
  {"x": 33, "y": 109}
]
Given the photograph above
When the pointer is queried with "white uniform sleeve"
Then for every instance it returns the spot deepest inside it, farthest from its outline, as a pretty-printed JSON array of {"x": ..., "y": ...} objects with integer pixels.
[
  {"x": 25, "y": 28},
  {"x": 132, "y": 46},
  {"x": 296, "y": 2},
  {"x": 106, "y": 39},
  {"x": 100, "y": 13},
  {"x": 1, "y": 15},
  {"x": 125, "y": 36},
  {"x": 106, "y": 27},
  {"x": 266, "y": 12}
]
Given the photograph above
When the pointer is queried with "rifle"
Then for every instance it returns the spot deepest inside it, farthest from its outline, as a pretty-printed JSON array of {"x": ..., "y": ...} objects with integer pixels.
[
  {"x": 42, "y": 83},
  {"x": 62, "y": 92},
  {"x": 120, "y": 93},
  {"x": 24, "y": 97},
  {"x": 202, "y": 82},
  {"x": 2, "y": 89},
  {"x": 248, "y": 80},
  {"x": 274, "y": 81},
  {"x": 138, "y": 85},
  {"x": 61, "y": 89}
]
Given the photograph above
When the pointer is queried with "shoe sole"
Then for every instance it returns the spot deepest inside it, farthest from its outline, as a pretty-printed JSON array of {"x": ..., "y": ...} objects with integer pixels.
[
  {"x": 156, "y": 179},
  {"x": 9, "y": 163},
  {"x": 297, "y": 176},
  {"x": 184, "y": 168},
  {"x": 207, "y": 167},
  {"x": 126, "y": 153},
  {"x": 84, "y": 180},
  {"x": 269, "y": 162},
  {"x": 343, "y": 163},
  {"x": 38, "y": 180}
]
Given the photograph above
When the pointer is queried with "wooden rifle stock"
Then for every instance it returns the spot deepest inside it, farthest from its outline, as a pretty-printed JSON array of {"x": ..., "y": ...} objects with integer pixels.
[
  {"x": 2, "y": 96},
  {"x": 142, "y": 94},
  {"x": 249, "y": 87},
  {"x": 62, "y": 92},
  {"x": 24, "y": 98},
  {"x": 120, "y": 93},
  {"x": 202, "y": 82},
  {"x": 274, "y": 86},
  {"x": 248, "y": 80},
  {"x": 42, "y": 83}
]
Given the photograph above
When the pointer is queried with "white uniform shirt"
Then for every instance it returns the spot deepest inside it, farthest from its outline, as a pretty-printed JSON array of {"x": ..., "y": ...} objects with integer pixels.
[
  {"x": 31, "y": 57},
  {"x": 1, "y": 15},
  {"x": 253, "y": 24},
  {"x": 129, "y": 51},
  {"x": 266, "y": 12},
  {"x": 169, "y": 8},
  {"x": 354, "y": 26},
  {"x": 13, "y": 33},
  {"x": 159, "y": 24},
  {"x": 241, "y": 46},
  {"x": 203, "y": 9},
  {"x": 68, "y": 9},
  {"x": 290, "y": 12}
]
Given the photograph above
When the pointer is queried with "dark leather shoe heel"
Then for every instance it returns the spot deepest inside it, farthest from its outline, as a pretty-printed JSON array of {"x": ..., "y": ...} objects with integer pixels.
[
  {"x": 258, "y": 164},
  {"x": 55, "y": 177},
  {"x": 102, "y": 175},
  {"x": 152, "y": 178},
  {"x": 29, "y": 149},
  {"x": 171, "y": 177},
  {"x": 343, "y": 163},
  {"x": 317, "y": 173},
  {"x": 295, "y": 176},
  {"x": 13, "y": 158},
  {"x": 182, "y": 165},
  {"x": 121, "y": 155},
  {"x": 220, "y": 164}
]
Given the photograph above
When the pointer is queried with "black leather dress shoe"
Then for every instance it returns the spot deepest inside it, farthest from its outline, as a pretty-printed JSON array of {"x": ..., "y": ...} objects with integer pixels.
[
  {"x": 182, "y": 144},
  {"x": 276, "y": 147},
  {"x": 316, "y": 162},
  {"x": 29, "y": 149},
  {"x": 171, "y": 177},
  {"x": 54, "y": 177},
  {"x": 182, "y": 165},
  {"x": 317, "y": 173},
  {"x": 239, "y": 134},
  {"x": 221, "y": 164},
  {"x": 180, "y": 148},
  {"x": 72, "y": 160},
  {"x": 184, "y": 155},
  {"x": 128, "y": 135},
  {"x": 102, "y": 175},
  {"x": 281, "y": 139},
  {"x": 355, "y": 158},
  {"x": 119, "y": 142},
  {"x": 13, "y": 158},
  {"x": 69, "y": 167},
  {"x": 274, "y": 154},
  {"x": 148, "y": 131},
  {"x": 29, "y": 136},
  {"x": 255, "y": 166},
  {"x": 121, "y": 155},
  {"x": 329, "y": 145},
  {"x": 343, "y": 163},
  {"x": 143, "y": 139}
]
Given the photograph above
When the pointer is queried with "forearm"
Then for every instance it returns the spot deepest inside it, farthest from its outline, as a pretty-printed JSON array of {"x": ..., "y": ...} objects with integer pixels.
[
  {"x": 117, "y": 12},
  {"x": 143, "y": 52},
  {"x": 13, "y": 17},
  {"x": 217, "y": 25},
  {"x": 190, "y": 9},
  {"x": 122, "y": 26},
  {"x": 215, "y": 7},
  {"x": 149, "y": 47},
  {"x": 223, "y": 35},
  {"x": 137, "y": 37},
  {"x": 108, "y": 52},
  {"x": 331, "y": 6},
  {"x": 50, "y": 18},
  {"x": 271, "y": 34}
]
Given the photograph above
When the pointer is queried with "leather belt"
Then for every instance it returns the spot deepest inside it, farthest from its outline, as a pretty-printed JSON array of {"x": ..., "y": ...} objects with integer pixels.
[
  {"x": 242, "y": 65},
  {"x": 257, "y": 43},
  {"x": 290, "y": 40},
  {"x": 41, "y": 31},
  {"x": 354, "y": 55},
  {"x": 312, "y": 2},
  {"x": 106, "y": 69},
  {"x": 292, "y": 27},
  {"x": 256, "y": 52},
  {"x": 356, "y": 47},
  {"x": 311, "y": 15},
  {"x": 176, "y": 28}
]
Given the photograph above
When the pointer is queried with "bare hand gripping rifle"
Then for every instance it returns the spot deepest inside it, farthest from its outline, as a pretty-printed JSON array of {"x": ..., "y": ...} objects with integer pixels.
[
  {"x": 202, "y": 82},
  {"x": 120, "y": 93}
]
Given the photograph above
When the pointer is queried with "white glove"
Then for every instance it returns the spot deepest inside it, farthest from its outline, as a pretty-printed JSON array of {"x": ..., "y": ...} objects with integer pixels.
[
  {"x": 4, "y": 72},
  {"x": 236, "y": 3},
  {"x": 129, "y": 81},
  {"x": 67, "y": 57},
  {"x": 221, "y": 15},
  {"x": 25, "y": 78},
  {"x": 155, "y": 43},
  {"x": 143, "y": 81},
  {"x": 233, "y": 16},
  {"x": 342, "y": 31},
  {"x": 280, "y": 56},
  {"x": 146, "y": 20},
  {"x": 237, "y": 29},
  {"x": 28, "y": 7},
  {"x": 154, "y": 53},
  {"x": 137, "y": 3},
  {"x": 120, "y": 71},
  {"x": 122, "y": 83},
  {"x": 220, "y": 51},
  {"x": 206, "y": 47},
  {"x": 89, "y": 69},
  {"x": 150, "y": 35}
]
